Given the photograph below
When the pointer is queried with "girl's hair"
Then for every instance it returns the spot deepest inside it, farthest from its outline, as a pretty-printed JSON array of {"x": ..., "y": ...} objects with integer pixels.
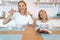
[
  {"x": 39, "y": 17},
  {"x": 24, "y": 4}
]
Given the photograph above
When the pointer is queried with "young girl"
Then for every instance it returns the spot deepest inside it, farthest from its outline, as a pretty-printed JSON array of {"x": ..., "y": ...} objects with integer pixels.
[{"x": 42, "y": 22}]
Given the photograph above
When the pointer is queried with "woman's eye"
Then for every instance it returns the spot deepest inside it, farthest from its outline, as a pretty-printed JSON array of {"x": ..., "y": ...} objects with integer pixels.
[{"x": 19, "y": 6}]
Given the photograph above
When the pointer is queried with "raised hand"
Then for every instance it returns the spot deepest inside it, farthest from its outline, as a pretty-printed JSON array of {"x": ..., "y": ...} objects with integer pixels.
[{"x": 12, "y": 11}]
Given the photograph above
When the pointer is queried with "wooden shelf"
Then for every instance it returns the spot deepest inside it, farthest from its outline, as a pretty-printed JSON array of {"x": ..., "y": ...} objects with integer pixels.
[
  {"x": 37, "y": 3},
  {"x": 46, "y": 3}
]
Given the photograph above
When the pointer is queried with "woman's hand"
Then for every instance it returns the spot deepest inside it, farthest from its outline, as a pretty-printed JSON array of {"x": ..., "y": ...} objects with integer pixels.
[{"x": 12, "y": 11}]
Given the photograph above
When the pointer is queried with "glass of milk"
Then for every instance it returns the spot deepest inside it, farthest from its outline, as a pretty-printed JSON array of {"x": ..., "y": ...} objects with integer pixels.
[{"x": 10, "y": 27}]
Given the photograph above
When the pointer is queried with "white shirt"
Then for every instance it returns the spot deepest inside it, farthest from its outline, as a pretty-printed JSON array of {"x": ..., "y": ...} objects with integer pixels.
[
  {"x": 22, "y": 19},
  {"x": 43, "y": 25}
]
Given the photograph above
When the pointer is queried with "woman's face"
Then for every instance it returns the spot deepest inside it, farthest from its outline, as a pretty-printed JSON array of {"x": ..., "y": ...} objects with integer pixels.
[
  {"x": 43, "y": 15},
  {"x": 21, "y": 7}
]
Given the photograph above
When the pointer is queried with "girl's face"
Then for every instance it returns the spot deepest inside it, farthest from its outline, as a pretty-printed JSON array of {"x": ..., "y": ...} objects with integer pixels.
[
  {"x": 21, "y": 7},
  {"x": 43, "y": 15}
]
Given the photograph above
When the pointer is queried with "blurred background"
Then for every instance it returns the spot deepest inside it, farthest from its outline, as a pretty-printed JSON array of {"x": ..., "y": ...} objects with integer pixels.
[{"x": 52, "y": 7}]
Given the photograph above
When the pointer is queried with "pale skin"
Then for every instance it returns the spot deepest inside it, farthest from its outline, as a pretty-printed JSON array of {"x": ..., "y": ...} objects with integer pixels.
[
  {"x": 21, "y": 8},
  {"x": 29, "y": 30},
  {"x": 43, "y": 16},
  {"x": 8, "y": 19}
]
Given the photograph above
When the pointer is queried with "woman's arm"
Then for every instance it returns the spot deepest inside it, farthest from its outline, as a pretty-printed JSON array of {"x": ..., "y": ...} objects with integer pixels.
[
  {"x": 8, "y": 19},
  {"x": 34, "y": 23}
]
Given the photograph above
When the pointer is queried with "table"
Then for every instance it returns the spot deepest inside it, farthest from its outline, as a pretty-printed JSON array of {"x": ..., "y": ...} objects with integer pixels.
[{"x": 28, "y": 34}]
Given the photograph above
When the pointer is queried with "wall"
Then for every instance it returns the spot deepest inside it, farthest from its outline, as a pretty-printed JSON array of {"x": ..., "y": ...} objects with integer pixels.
[
  {"x": 51, "y": 10},
  {"x": 59, "y": 8}
]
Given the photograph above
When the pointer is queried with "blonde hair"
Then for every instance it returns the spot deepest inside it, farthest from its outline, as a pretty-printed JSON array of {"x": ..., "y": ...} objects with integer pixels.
[
  {"x": 25, "y": 5},
  {"x": 39, "y": 17}
]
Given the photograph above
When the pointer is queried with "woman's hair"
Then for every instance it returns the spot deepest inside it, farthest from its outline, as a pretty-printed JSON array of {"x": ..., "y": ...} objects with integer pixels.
[
  {"x": 24, "y": 4},
  {"x": 39, "y": 17}
]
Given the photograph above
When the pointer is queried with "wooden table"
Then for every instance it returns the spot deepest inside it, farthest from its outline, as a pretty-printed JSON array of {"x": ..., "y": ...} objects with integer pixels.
[{"x": 28, "y": 34}]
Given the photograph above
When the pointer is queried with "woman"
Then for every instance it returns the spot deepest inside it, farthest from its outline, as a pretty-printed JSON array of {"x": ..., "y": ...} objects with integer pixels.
[
  {"x": 21, "y": 17},
  {"x": 43, "y": 22}
]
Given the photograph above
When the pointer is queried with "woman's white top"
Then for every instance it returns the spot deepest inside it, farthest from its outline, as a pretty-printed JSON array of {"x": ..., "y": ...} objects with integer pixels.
[
  {"x": 22, "y": 19},
  {"x": 43, "y": 25}
]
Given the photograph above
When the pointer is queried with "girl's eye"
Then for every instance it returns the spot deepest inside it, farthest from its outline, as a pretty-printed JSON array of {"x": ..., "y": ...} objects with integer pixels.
[{"x": 23, "y": 5}]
